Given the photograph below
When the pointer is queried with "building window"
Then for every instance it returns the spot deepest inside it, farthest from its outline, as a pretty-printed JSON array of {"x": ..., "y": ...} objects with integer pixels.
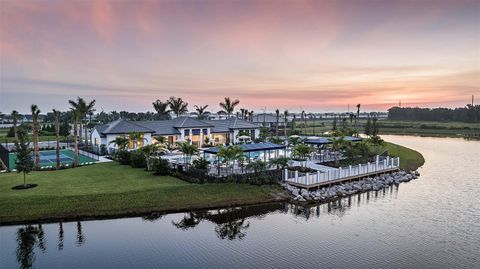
[
  {"x": 196, "y": 132},
  {"x": 205, "y": 131},
  {"x": 186, "y": 132}
]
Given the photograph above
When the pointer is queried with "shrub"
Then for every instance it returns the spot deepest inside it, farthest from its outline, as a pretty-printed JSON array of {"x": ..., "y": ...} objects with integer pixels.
[
  {"x": 123, "y": 157},
  {"x": 137, "y": 159},
  {"x": 201, "y": 163},
  {"x": 161, "y": 167},
  {"x": 103, "y": 150}
]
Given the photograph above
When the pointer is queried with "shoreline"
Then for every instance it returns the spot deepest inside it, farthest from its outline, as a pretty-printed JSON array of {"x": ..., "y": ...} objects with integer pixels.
[{"x": 155, "y": 199}]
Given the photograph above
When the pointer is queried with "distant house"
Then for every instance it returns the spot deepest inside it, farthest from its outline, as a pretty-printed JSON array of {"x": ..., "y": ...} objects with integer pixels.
[
  {"x": 198, "y": 132},
  {"x": 268, "y": 120}
]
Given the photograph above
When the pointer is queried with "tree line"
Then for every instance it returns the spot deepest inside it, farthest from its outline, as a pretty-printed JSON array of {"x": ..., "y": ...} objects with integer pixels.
[{"x": 469, "y": 113}]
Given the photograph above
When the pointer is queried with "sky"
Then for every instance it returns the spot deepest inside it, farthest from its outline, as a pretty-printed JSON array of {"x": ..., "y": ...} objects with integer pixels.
[{"x": 318, "y": 56}]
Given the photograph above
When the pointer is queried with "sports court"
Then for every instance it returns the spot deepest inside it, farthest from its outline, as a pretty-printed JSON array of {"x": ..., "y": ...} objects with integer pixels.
[{"x": 49, "y": 158}]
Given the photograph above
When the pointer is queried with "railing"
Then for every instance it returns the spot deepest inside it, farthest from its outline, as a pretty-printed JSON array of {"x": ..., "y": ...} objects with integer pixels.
[{"x": 342, "y": 172}]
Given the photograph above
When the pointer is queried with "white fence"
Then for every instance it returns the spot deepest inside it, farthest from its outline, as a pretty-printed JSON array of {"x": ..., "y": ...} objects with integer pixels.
[{"x": 342, "y": 172}]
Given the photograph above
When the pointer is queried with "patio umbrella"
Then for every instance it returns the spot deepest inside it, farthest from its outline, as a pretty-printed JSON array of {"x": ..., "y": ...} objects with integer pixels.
[
  {"x": 294, "y": 136},
  {"x": 244, "y": 137},
  {"x": 312, "y": 137}
]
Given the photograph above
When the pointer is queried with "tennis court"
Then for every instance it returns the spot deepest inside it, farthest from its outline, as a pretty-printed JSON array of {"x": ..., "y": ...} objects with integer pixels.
[{"x": 49, "y": 158}]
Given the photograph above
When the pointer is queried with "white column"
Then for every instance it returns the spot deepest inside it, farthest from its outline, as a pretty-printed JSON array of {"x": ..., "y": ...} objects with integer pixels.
[
  {"x": 318, "y": 176},
  {"x": 350, "y": 170},
  {"x": 306, "y": 178},
  {"x": 296, "y": 176},
  {"x": 190, "y": 136},
  {"x": 285, "y": 173},
  {"x": 201, "y": 138}
]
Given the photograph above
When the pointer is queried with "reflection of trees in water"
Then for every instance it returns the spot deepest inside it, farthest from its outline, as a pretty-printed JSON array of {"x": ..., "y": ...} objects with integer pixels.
[
  {"x": 152, "y": 217},
  {"x": 60, "y": 236},
  {"x": 341, "y": 206},
  {"x": 80, "y": 236},
  {"x": 27, "y": 238},
  {"x": 231, "y": 223},
  {"x": 31, "y": 236}
]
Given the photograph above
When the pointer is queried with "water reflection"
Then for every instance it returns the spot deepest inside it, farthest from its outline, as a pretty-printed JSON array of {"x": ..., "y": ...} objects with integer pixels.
[{"x": 229, "y": 223}]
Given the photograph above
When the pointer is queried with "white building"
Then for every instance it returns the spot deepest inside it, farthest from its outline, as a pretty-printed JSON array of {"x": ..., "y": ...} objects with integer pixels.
[{"x": 198, "y": 132}]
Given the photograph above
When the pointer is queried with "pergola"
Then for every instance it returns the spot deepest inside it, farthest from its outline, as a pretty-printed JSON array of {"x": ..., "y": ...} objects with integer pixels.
[{"x": 249, "y": 148}]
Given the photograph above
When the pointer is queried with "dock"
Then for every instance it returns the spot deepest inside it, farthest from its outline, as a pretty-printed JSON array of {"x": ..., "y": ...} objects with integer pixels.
[{"x": 342, "y": 174}]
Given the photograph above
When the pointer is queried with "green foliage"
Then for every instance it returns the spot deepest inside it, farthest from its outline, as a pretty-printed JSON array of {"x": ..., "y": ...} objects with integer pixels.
[
  {"x": 368, "y": 127},
  {"x": 257, "y": 166},
  {"x": 121, "y": 142},
  {"x": 123, "y": 157},
  {"x": 280, "y": 162},
  {"x": 138, "y": 159},
  {"x": 201, "y": 163},
  {"x": 188, "y": 151},
  {"x": 24, "y": 162},
  {"x": 11, "y": 132},
  {"x": 161, "y": 167},
  {"x": 301, "y": 151}
]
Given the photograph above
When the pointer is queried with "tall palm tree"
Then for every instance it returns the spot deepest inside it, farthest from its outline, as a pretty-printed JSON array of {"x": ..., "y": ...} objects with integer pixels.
[
  {"x": 228, "y": 106},
  {"x": 162, "y": 109},
  {"x": 56, "y": 115},
  {"x": 304, "y": 119},
  {"x": 243, "y": 112},
  {"x": 121, "y": 142},
  {"x": 177, "y": 105},
  {"x": 338, "y": 144},
  {"x": 201, "y": 112},
  {"x": 188, "y": 151},
  {"x": 277, "y": 113},
  {"x": 89, "y": 109},
  {"x": 285, "y": 115},
  {"x": 79, "y": 107},
  {"x": 75, "y": 118},
  {"x": 35, "y": 119},
  {"x": 250, "y": 116},
  {"x": 15, "y": 116}
]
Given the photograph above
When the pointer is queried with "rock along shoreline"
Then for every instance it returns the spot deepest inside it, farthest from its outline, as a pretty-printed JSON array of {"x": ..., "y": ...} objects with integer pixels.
[{"x": 329, "y": 193}]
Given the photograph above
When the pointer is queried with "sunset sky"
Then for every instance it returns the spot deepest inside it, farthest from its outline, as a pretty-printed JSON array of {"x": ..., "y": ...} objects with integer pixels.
[{"x": 316, "y": 55}]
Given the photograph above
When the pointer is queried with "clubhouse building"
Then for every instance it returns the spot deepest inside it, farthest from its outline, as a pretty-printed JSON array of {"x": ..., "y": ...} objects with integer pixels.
[{"x": 181, "y": 129}]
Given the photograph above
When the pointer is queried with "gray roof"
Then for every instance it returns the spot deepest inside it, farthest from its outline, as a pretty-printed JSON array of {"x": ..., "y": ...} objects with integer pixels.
[
  {"x": 170, "y": 127},
  {"x": 260, "y": 118},
  {"x": 121, "y": 126},
  {"x": 222, "y": 126}
]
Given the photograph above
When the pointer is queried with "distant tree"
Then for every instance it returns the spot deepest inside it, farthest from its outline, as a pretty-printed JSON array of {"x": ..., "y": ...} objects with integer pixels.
[
  {"x": 201, "y": 112},
  {"x": 368, "y": 127},
  {"x": 228, "y": 106},
  {"x": 24, "y": 162},
  {"x": 177, "y": 105},
  {"x": 279, "y": 162},
  {"x": 36, "y": 129},
  {"x": 15, "y": 117},
  {"x": 375, "y": 128},
  {"x": 277, "y": 115},
  {"x": 163, "y": 113},
  {"x": 285, "y": 117},
  {"x": 56, "y": 115},
  {"x": 334, "y": 125},
  {"x": 302, "y": 151}
]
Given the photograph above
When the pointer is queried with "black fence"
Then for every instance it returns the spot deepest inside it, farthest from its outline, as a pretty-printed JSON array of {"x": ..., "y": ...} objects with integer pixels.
[
  {"x": 194, "y": 175},
  {"x": 4, "y": 155}
]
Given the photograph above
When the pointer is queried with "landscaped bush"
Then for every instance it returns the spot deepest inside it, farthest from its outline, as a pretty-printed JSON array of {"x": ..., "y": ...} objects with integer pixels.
[
  {"x": 137, "y": 159},
  {"x": 161, "y": 167},
  {"x": 103, "y": 150},
  {"x": 123, "y": 157},
  {"x": 201, "y": 163}
]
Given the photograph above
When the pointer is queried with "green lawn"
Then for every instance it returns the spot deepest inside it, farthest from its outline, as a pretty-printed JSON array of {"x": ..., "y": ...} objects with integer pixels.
[
  {"x": 110, "y": 189},
  {"x": 409, "y": 158}
]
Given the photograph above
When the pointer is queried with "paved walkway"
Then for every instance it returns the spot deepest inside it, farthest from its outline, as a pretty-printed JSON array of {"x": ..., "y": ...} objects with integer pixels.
[{"x": 314, "y": 165}]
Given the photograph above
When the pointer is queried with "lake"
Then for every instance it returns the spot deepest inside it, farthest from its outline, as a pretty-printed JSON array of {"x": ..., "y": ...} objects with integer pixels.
[{"x": 431, "y": 222}]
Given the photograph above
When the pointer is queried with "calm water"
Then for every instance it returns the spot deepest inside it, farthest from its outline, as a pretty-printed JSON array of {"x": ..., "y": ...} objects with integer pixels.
[{"x": 432, "y": 222}]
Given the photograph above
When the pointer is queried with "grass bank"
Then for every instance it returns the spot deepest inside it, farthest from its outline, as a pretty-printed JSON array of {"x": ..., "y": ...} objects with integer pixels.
[
  {"x": 409, "y": 158},
  {"x": 110, "y": 189}
]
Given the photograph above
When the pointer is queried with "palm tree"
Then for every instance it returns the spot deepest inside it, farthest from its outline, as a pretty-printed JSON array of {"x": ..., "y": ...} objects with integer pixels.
[
  {"x": 56, "y": 115},
  {"x": 277, "y": 113},
  {"x": 280, "y": 162},
  {"x": 76, "y": 117},
  {"x": 201, "y": 112},
  {"x": 228, "y": 106},
  {"x": 162, "y": 109},
  {"x": 136, "y": 137},
  {"x": 301, "y": 151},
  {"x": 358, "y": 117},
  {"x": 188, "y": 151},
  {"x": 304, "y": 119},
  {"x": 35, "y": 119},
  {"x": 338, "y": 144},
  {"x": 78, "y": 107},
  {"x": 15, "y": 116},
  {"x": 250, "y": 115},
  {"x": 88, "y": 111},
  {"x": 243, "y": 113},
  {"x": 177, "y": 105},
  {"x": 121, "y": 142},
  {"x": 285, "y": 115}
]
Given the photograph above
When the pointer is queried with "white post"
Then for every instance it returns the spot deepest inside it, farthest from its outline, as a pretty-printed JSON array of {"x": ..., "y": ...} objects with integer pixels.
[
  {"x": 388, "y": 161},
  {"x": 328, "y": 175},
  {"x": 350, "y": 170},
  {"x": 359, "y": 169},
  {"x": 340, "y": 172},
  {"x": 190, "y": 136},
  {"x": 296, "y": 176},
  {"x": 286, "y": 174},
  {"x": 318, "y": 176},
  {"x": 306, "y": 178}
]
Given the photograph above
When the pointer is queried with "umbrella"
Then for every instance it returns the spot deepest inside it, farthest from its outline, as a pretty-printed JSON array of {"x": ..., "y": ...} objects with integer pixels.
[
  {"x": 312, "y": 137},
  {"x": 294, "y": 136},
  {"x": 244, "y": 137}
]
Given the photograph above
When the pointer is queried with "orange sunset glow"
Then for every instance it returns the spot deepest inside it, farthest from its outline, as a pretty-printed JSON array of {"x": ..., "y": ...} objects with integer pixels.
[{"x": 316, "y": 55}]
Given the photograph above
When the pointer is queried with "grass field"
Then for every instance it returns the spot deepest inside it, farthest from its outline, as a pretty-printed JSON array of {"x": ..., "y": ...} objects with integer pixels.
[
  {"x": 425, "y": 128},
  {"x": 110, "y": 189},
  {"x": 409, "y": 158}
]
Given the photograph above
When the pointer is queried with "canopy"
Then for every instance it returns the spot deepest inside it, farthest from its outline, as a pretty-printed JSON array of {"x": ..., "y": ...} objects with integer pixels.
[
  {"x": 328, "y": 140},
  {"x": 244, "y": 137},
  {"x": 263, "y": 146}
]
